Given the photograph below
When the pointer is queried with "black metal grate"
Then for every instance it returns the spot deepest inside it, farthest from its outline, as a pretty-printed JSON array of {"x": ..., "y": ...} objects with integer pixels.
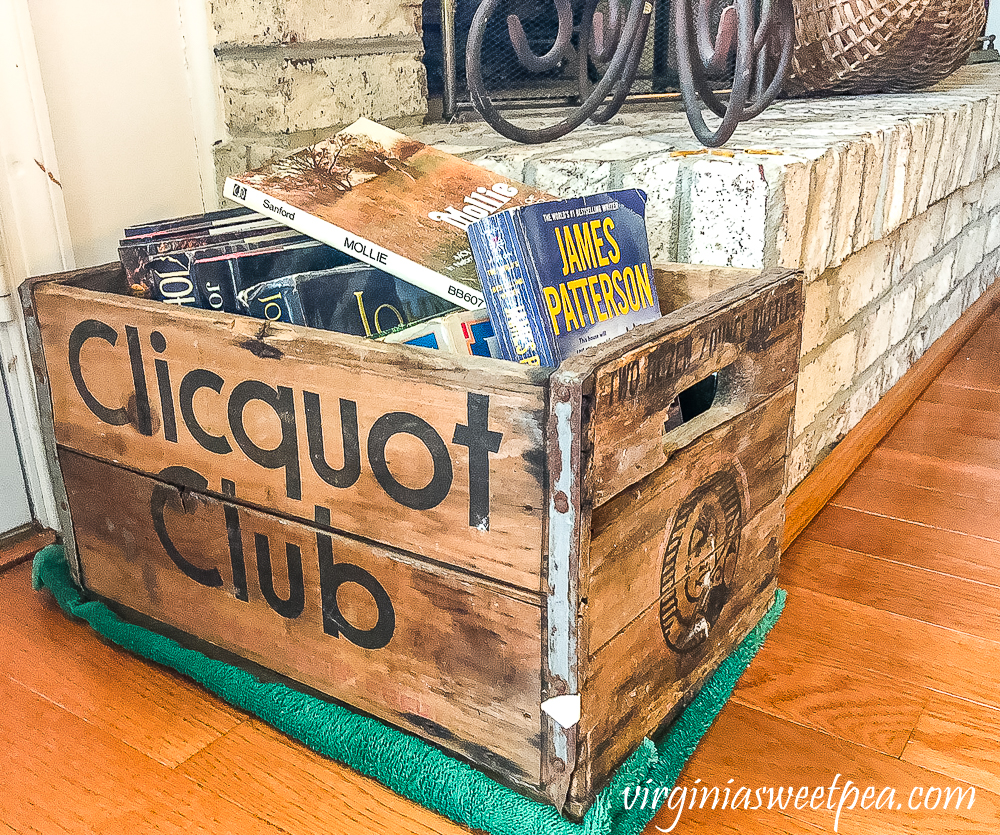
[{"x": 504, "y": 76}]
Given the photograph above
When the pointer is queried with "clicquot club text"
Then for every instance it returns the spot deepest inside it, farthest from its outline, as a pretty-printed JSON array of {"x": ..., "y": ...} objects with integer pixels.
[
  {"x": 173, "y": 397},
  {"x": 333, "y": 572}
]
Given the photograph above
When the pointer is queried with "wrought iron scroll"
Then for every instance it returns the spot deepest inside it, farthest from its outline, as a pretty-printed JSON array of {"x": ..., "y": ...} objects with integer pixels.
[{"x": 754, "y": 37}]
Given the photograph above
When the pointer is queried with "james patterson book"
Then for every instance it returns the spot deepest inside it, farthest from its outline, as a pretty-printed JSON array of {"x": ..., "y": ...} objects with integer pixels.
[{"x": 564, "y": 275}]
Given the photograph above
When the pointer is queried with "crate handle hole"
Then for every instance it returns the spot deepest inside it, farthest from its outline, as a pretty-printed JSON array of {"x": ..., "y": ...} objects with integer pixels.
[{"x": 706, "y": 404}]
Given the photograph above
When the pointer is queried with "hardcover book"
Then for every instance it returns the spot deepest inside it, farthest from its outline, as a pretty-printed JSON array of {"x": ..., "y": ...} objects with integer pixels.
[
  {"x": 169, "y": 274},
  {"x": 219, "y": 278},
  {"x": 564, "y": 275},
  {"x": 354, "y": 299},
  {"x": 137, "y": 253},
  {"x": 388, "y": 200}
]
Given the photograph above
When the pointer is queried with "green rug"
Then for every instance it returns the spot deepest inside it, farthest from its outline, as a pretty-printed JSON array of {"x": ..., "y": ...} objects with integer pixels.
[{"x": 404, "y": 763}]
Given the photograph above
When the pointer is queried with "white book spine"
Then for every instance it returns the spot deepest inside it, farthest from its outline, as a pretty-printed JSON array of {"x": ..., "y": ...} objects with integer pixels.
[{"x": 355, "y": 246}]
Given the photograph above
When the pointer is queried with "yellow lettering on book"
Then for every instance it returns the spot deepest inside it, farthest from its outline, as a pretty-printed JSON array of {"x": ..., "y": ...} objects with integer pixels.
[
  {"x": 608, "y": 293},
  {"x": 576, "y": 286},
  {"x": 642, "y": 278},
  {"x": 572, "y": 256},
  {"x": 584, "y": 245},
  {"x": 616, "y": 254},
  {"x": 592, "y": 285},
  {"x": 567, "y": 309},
  {"x": 562, "y": 251},
  {"x": 554, "y": 306}
]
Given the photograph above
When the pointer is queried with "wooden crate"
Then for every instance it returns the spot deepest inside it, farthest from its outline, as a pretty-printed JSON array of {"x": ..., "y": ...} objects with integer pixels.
[{"x": 445, "y": 543}]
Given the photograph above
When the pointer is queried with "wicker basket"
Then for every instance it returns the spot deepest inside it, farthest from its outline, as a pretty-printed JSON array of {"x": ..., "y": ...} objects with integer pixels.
[{"x": 870, "y": 46}]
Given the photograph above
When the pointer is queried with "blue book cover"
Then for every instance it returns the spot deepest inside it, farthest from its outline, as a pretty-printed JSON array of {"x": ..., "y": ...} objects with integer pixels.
[{"x": 563, "y": 275}]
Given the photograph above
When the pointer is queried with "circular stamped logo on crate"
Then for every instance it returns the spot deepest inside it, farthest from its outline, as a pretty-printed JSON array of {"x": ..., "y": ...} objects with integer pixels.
[{"x": 699, "y": 562}]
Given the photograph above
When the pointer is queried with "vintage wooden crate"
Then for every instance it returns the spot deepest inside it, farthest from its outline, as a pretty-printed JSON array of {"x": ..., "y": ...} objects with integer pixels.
[{"x": 445, "y": 543}]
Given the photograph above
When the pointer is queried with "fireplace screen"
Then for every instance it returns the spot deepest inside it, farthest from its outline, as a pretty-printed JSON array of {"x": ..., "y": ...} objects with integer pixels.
[{"x": 447, "y": 24}]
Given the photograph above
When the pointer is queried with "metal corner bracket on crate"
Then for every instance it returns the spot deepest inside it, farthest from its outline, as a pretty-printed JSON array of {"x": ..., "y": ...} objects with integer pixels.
[{"x": 754, "y": 36}]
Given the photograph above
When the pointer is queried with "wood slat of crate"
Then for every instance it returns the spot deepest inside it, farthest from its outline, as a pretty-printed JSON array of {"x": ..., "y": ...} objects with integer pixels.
[{"x": 447, "y": 543}]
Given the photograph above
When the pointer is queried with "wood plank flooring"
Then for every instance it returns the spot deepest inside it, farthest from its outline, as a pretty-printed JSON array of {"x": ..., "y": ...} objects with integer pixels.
[{"x": 884, "y": 670}]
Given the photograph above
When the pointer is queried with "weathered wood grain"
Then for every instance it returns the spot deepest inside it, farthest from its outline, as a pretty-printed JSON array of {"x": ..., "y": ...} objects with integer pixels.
[
  {"x": 753, "y": 346},
  {"x": 450, "y": 449},
  {"x": 441, "y": 653},
  {"x": 630, "y": 533}
]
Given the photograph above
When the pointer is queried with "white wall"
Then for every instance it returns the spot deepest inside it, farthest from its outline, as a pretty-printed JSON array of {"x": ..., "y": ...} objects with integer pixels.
[{"x": 124, "y": 114}]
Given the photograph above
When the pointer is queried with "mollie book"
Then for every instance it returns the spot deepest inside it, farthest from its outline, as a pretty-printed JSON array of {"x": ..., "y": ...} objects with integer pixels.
[
  {"x": 561, "y": 276},
  {"x": 387, "y": 200}
]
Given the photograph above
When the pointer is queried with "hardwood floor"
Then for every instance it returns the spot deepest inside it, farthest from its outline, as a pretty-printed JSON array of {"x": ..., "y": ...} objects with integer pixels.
[{"x": 884, "y": 670}]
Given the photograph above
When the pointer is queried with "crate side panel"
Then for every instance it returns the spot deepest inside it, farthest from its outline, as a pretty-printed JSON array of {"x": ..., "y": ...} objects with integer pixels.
[
  {"x": 727, "y": 476},
  {"x": 752, "y": 344},
  {"x": 453, "y": 659},
  {"x": 441, "y": 457}
]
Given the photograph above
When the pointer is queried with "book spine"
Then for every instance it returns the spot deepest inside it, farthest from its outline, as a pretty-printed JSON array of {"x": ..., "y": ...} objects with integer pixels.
[
  {"x": 355, "y": 246},
  {"x": 510, "y": 285}
]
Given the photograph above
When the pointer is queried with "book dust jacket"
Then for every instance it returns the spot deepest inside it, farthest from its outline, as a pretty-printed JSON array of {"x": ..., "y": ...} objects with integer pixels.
[
  {"x": 388, "y": 200},
  {"x": 564, "y": 275}
]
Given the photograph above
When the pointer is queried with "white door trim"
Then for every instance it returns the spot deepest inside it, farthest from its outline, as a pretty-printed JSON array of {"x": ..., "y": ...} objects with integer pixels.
[{"x": 34, "y": 231}]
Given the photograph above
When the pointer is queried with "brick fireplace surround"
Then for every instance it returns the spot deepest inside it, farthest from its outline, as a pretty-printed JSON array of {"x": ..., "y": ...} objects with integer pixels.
[{"x": 889, "y": 205}]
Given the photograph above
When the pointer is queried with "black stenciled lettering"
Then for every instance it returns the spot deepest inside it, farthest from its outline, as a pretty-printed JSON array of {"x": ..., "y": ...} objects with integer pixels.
[
  {"x": 481, "y": 442},
  {"x": 291, "y": 607},
  {"x": 93, "y": 329},
  {"x": 159, "y": 344},
  {"x": 332, "y": 576},
  {"x": 347, "y": 475},
  {"x": 162, "y": 493},
  {"x": 397, "y": 423},
  {"x": 194, "y": 380},
  {"x": 234, "y": 533},
  {"x": 286, "y": 453},
  {"x": 143, "y": 419}
]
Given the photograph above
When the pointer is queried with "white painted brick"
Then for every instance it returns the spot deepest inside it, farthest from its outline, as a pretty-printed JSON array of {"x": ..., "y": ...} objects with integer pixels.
[
  {"x": 932, "y": 154},
  {"x": 852, "y": 174},
  {"x": 816, "y": 314},
  {"x": 971, "y": 249},
  {"x": 873, "y": 335},
  {"x": 993, "y": 234},
  {"x": 790, "y": 234},
  {"x": 862, "y": 278},
  {"x": 919, "y": 130},
  {"x": 993, "y": 157},
  {"x": 823, "y": 378},
  {"x": 962, "y": 130},
  {"x": 657, "y": 176},
  {"x": 864, "y": 232},
  {"x": 946, "y": 161},
  {"x": 932, "y": 284},
  {"x": 902, "y": 312},
  {"x": 822, "y": 217},
  {"x": 972, "y": 163},
  {"x": 989, "y": 127},
  {"x": 920, "y": 238},
  {"x": 510, "y": 162},
  {"x": 895, "y": 191},
  {"x": 723, "y": 214},
  {"x": 281, "y": 96},
  {"x": 990, "y": 197},
  {"x": 266, "y": 22},
  {"x": 568, "y": 178},
  {"x": 891, "y": 139}
]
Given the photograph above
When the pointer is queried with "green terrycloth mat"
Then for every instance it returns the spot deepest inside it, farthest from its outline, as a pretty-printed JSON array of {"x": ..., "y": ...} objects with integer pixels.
[{"x": 405, "y": 763}]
